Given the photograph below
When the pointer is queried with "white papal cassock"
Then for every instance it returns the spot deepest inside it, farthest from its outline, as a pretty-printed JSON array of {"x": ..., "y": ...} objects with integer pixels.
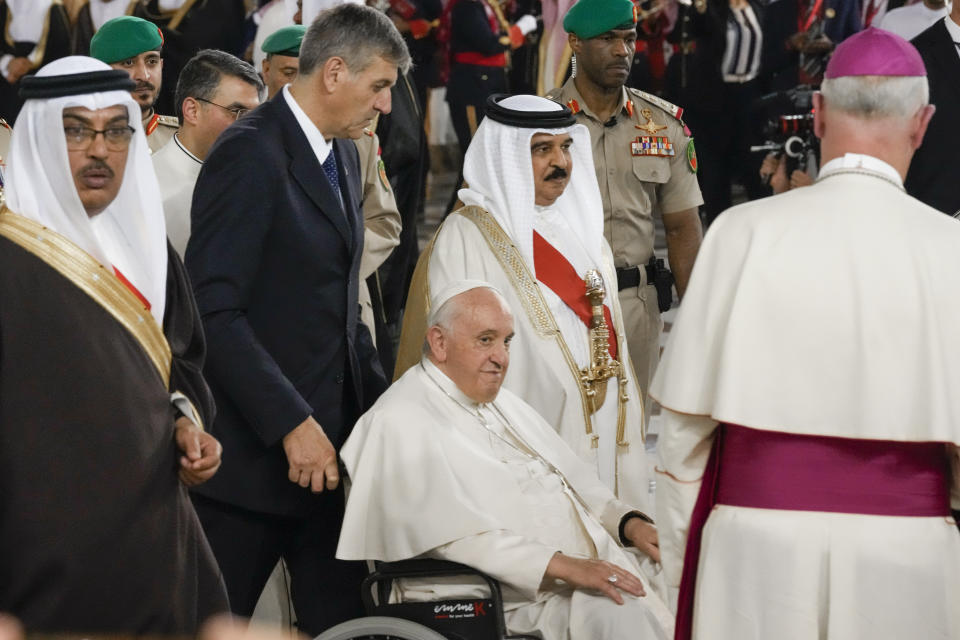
[
  {"x": 831, "y": 311},
  {"x": 492, "y": 486}
]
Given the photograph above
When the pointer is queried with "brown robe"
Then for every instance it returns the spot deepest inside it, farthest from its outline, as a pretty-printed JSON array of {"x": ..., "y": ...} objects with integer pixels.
[{"x": 97, "y": 533}]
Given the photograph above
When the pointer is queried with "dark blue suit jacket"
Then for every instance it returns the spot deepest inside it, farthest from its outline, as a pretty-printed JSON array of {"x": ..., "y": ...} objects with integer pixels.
[{"x": 274, "y": 261}]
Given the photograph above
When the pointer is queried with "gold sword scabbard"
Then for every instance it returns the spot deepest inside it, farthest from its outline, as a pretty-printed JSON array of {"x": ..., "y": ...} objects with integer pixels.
[{"x": 602, "y": 367}]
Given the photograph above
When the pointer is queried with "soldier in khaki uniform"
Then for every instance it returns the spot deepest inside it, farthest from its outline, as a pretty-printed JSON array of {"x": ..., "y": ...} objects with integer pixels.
[
  {"x": 133, "y": 45},
  {"x": 645, "y": 163},
  {"x": 381, "y": 220}
]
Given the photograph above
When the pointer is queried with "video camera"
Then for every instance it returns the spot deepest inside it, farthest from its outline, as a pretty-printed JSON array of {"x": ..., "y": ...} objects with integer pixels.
[{"x": 790, "y": 130}]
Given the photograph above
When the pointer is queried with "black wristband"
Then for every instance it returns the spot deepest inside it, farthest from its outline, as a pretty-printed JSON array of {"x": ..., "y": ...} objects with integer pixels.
[{"x": 625, "y": 519}]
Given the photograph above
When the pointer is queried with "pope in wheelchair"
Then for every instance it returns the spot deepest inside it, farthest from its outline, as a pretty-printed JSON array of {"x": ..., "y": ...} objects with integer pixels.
[{"x": 446, "y": 465}]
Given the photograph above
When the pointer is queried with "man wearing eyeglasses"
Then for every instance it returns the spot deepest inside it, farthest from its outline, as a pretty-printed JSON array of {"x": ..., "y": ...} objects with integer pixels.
[
  {"x": 134, "y": 45},
  {"x": 214, "y": 90},
  {"x": 102, "y": 404}
]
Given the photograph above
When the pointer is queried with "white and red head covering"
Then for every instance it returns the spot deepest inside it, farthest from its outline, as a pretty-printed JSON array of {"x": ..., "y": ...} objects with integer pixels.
[
  {"x": 499, "y": 176},
  {"x": 130, "y": 234}
]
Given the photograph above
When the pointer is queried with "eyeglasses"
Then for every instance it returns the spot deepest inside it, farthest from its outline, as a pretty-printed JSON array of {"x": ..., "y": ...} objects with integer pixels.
[
  {"x": 238, "y": 112},
  {"x": 80, "y": 138}
]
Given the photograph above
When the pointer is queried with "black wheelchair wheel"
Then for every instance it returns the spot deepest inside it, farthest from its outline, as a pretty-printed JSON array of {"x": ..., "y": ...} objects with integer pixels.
[{"x": 379, "y": 628}]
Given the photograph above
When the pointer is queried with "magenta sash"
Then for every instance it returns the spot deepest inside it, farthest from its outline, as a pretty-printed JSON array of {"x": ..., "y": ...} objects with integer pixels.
[{"x": 775, "y": 470}]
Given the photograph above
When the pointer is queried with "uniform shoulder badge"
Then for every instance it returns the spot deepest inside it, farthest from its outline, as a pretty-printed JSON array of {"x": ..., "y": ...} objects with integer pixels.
[
  {"x": 382, "y": 170},
  {"x": 168, "y": 121},
  {"x": 692, "y": 157},
  {"x": 669, "y": 107}
]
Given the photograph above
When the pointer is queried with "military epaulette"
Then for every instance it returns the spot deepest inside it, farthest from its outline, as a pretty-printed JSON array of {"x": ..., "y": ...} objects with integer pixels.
[
  {"x": 169, "y": 121},
  {"x": 669, "y": 107}
]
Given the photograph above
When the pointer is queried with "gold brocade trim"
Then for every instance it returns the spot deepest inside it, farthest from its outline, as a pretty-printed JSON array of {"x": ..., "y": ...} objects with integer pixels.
[
  {"x": 95, "y": 280},
  {"x": 414, "y": 329}
]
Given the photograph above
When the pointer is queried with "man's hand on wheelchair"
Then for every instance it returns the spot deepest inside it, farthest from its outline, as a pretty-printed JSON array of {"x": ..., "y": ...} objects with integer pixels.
[
  {"x": 643, "y": 536},
  {"x": 596, "y": 575}
]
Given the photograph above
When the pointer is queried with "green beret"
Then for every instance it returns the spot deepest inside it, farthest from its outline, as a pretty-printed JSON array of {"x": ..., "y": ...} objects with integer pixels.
[
  {"x": 591, "y": 18},
  {"x": 123, "y": 38},
  {"x": 285, "y": 42}
]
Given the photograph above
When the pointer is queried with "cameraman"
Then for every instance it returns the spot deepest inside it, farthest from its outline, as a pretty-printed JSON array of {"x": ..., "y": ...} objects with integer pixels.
[{"x": 773, "y": 171}]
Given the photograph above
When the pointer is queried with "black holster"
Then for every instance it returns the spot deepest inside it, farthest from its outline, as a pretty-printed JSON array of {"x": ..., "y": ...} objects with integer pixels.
[{"x": 662, "y": 278}]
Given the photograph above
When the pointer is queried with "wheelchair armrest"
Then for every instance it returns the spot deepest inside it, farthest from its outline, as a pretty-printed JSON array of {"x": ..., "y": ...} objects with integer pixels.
[
  {"x": 386, "y": 572},
  {"x": 428, "y": 567}
]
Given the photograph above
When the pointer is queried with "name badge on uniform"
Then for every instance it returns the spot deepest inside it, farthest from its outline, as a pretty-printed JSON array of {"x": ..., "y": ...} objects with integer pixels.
[{"x": 659, "y": 146}]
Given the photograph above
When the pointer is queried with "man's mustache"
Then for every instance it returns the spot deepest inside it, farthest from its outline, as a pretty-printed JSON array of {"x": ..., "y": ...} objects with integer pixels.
[
  {"x": 97, "y": 166},
  {"x": 144, "y": 85},
  {"x": 559, "y": 173}
]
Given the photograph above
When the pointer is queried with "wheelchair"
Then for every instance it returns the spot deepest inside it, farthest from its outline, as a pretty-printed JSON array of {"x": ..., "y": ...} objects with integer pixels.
[{"x": 457, "y": 619}]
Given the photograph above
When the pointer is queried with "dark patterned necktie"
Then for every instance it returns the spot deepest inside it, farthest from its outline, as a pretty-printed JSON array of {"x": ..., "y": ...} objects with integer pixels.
[{"x": 330, "y": 169}]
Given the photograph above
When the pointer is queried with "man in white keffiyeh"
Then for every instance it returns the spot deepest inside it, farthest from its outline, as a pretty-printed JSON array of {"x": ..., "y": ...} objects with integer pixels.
[
  {"x": 101, "y": 398},
  {"x": 105, "y": 201},
  {"x": 533, "y": 227}
]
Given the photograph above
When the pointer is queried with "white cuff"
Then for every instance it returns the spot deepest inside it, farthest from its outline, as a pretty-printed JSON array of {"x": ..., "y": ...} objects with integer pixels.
[
  {"x": 186, "y": 407},
  {"x": 526, "y": 24}
]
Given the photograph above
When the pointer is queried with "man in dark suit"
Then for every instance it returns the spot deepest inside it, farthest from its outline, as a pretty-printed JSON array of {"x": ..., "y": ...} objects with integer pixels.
[
  {"x": 931, "y": 178},
  {"x": 274, "y": 256}
]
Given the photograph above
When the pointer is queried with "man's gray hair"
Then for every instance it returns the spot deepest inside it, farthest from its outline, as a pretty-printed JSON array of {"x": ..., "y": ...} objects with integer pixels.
[
  {"x": 444, "y": 315},
  {"x": 201, "y": 76},
  {"x": 357, "y": 34},
  {"x": 871, "y": 97}
]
